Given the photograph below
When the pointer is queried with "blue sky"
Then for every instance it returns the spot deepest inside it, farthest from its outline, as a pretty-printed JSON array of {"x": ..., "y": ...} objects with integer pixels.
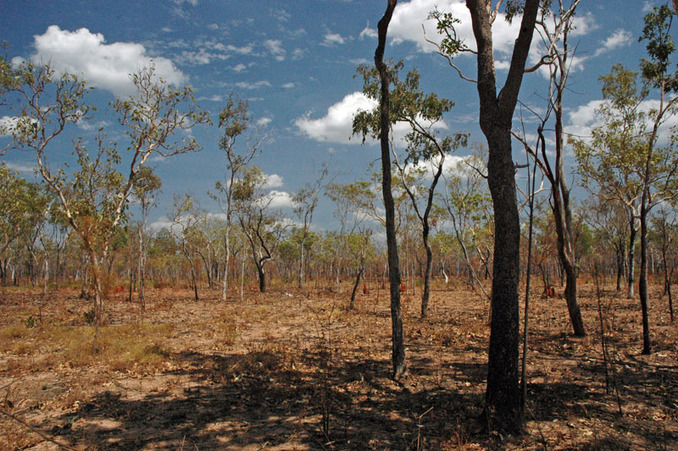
[{"x": 294, "y": 62}]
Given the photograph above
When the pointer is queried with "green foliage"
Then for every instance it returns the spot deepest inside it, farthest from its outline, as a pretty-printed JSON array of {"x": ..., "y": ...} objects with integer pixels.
[
  {"x": 451, "y": 45},
  {"x": 233, "y": 120},
  {"x": 411, "y": 105},
  {"x": 613, "y": 159},
  {"x": 660, "y": 47},
  {"x": 22, "y": 208}
]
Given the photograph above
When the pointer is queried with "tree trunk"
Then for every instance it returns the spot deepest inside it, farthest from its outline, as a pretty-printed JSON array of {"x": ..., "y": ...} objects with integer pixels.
[
  {"x": 503, "y": 392},
  {"x": 398, "y": 345},
  {"x": 668, "y": 290},
  {"x": 300, "y": 281},
  {"x": 620, "y": 267},
  {"x": 562, "y": 215},
  {"x": 358, "y": 276},
  {"x": 427, "y": 272},
  {"x": 642, "y": 282},
  {"x": 141, "y": 269},
  {"x": 262, "y": 277},
  {"x": 227, "y": 246},
  {"x": 195, "y": 281},
  {"x": 631, "y": 256},
  {"x": 503, "y": 395}
]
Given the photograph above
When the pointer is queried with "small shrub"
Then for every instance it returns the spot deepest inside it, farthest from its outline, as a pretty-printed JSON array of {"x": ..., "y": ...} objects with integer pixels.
[{"x": 89, "y": 316}]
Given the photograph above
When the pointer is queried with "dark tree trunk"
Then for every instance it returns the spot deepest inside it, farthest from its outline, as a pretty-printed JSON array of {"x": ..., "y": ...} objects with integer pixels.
[
  {"x": 195, "y": 281},
  {"x": 398, "y": 344},
  {"x": 262, "y": 277},
  {"x": 642, "y": 282},
  {"x": 562, "y": 215},
  {"x": 427, "y": 274},
  {"x": 358, "y": 276},
  {"x": 631, "y": 255},
  {"x": 620, "y": 267},
  {"x": 503, "y": 396}
]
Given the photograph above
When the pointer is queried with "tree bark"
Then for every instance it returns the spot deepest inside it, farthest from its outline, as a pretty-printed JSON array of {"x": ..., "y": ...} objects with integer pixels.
[
  {"x": 427, "y": 271},
  {"x": 562, "y": 213},
  {"x": 631, "y": 254},
  {"x": 642, "y": 282},
  {"x": 503, "y": 396},
  {"x": 358, "y": 276},
  {"x": 398, "y": 345}
]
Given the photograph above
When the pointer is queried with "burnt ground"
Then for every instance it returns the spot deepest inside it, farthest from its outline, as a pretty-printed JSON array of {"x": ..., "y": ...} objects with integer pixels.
[{"x": 292, "y": 370}]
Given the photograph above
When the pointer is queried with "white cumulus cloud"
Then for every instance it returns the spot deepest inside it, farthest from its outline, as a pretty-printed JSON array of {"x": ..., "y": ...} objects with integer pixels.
[
  {"x": 273, "y": 181},
  {"x": 408, "y": 18},
  {"x": 279, "y": 199},
  {"x": 275, "y": 48},
  {"x": 333, "y": 39},
  {"x": 105, "y": 66},
  {"x": 620, "y": 38},
  {"x": 336, "y": 125}
]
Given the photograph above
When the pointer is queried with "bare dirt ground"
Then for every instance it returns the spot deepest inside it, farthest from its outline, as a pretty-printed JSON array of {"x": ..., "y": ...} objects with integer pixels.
[{"x": 296, "y": 370}]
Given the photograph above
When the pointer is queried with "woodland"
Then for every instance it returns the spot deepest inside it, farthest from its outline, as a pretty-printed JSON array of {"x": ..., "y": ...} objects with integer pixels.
[{"x": 450, "y": 308}]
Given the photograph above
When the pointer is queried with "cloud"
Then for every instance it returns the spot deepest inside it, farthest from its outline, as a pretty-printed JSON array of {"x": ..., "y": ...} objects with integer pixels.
[
  {"x": 23, "y": 168},
  {"x": 264, "y": 121},
  {"x": 275, "y": 48},
  {"x": 368, "y": 32},
  {"x": 212, "y": 98},
  {"x": 201, "y": 57},
  {"x": 585, "y": 118},
  {"x": 279, "y": 199},
  {"x": 244, "y": 50},
  {"x": 253, "y": 85},
  {"x": 9, "y": 124},
  {"x": 333, "y": 39},
  {"x": 239, "y": 68},
  {"x": 429, "y": 168},
  {"x": 336, "y": 125},
  {"x": 289, "y": 85},
  {"x": 583, "y": 25},
  {"x": 620, "y": 38},
  {"x": 282, "y": 15},
  {"x": 408, "y": 18},
  {"x": 273, "y": 181},
  {"x": 105, "y": 66},
  {"x": 298, "y": 54}
]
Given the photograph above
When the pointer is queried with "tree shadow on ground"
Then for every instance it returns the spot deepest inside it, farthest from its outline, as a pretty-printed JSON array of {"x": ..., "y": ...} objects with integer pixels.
[{"x": 269, "y": 399}]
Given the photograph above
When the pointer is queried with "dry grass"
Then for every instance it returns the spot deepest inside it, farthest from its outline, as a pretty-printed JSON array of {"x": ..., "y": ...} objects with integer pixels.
[{"x": 299, "y": 371}]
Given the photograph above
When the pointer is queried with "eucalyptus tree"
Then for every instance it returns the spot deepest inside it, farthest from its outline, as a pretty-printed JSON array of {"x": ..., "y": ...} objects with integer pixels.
[
  {"x": 185, "y": 216},
  {"x": 234, "y": 119},
  {"x": 665, "y": 235},
  {"x": 146, "y": 188},
  {"x": 399, "y": 365},
  {"x": 426, "y": 150},
  {"x": 352, "y": 201},
  {"x": 468, "y": 205},
  {"x": 503, "y": 395},
  {"x": 23, "y": 212},
  {"x": 94, "y": 197},
  {"x": 262, "y": 228},
  {"x": 608, "y": 220},
  {"x": 305, "y": 201},
  {"x": 555, "y": 21},
  {"x": 625, "y": 157}
]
